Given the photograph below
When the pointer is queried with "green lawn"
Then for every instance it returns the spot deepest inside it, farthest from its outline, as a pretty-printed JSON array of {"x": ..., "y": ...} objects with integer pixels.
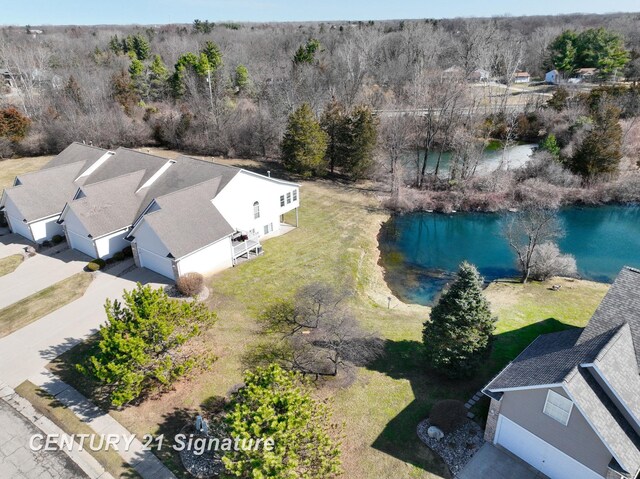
[
  {"x": 384, "y": 402},
  {"x": 71, "y": 424},
  {"x": 43, "y": 302},
  {"x": 13, "y": 167},
  {"x": 10, "y": 263},
  {"x": 526, "y": 311}
]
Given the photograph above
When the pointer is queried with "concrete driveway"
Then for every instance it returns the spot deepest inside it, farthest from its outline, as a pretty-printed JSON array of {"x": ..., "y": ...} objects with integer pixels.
[
  {"x": 18, "y": 461},
  {"x": 39, "y": 272},
  {"x": 12, "y": 244},
  {"x": 25, "y": 353},
  {"x": 491, "y": 462}
]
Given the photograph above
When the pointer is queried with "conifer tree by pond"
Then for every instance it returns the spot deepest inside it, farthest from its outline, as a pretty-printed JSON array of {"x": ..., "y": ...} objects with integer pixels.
[{"x": 458, "y": 334}]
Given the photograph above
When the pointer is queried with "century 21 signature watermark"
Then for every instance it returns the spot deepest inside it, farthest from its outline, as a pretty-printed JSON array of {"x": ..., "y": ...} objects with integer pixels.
[{"x": 197, "y": 444}]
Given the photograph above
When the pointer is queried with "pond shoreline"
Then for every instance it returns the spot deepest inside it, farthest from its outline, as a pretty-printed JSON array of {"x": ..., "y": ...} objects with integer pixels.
[{"x": 419, "y": 252}]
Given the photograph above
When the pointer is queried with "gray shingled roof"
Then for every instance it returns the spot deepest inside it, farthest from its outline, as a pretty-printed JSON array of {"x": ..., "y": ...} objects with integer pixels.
[
  {"x": 101, "y": 188},
  {"x": 189, "y": 210},
  {"x": 186, "y": 172},
  {"x": 605, "y": 418},
  {"x": 617, "y": 363},
  {"x": 549, "y": 359},
  {"x": 109, "y": 205},
  {"x": 44, "y": 193},
  {"x": 127, "y": 161},
  {"x": 611, "y": 342},
  {"x": 620, "y": 305},
  {"x": 76, "y": 152}
]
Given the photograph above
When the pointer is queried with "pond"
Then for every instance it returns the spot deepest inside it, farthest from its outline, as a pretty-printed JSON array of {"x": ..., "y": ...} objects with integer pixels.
[
  {"x": 514, "y": 156},
  {"x": 420, "y": 251}
]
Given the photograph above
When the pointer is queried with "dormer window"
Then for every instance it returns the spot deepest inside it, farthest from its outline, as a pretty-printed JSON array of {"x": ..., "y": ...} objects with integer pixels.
[
  {"x": 256, "y": 210},
  {"x": 558, "y": 407}
]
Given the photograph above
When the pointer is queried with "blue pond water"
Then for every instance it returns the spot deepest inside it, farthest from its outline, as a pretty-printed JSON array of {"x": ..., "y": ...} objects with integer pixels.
[{"x": 420, "y": 251}]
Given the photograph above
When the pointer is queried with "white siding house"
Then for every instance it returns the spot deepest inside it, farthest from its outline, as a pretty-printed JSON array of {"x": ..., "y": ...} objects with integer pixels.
[
  {"x": 255, "y": 203},
  {"x": 224, "y": 223},
  {"x": 179, "y": 216},
  {"x": 77, "y": 235}
]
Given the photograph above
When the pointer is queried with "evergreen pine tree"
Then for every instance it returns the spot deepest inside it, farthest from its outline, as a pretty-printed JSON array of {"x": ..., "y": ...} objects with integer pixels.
[
  {"x": 362, "y": 131},
  {"x": 600, "y": 151},
  {"x": 277, "y": 404},
  {"x": 304, "y": 143},
  {"x": 334, "y": 124},
  {"x": 458, "y": 334}
]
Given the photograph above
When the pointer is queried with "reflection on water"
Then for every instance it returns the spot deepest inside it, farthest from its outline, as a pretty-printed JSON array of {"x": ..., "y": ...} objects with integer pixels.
[
  {"x": 420, "y": 251},
  {"x": 512, "y": 157}
]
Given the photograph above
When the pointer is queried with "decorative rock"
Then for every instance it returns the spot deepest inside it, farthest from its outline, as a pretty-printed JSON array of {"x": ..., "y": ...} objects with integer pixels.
[
  {"x": 459, "y": 445},
  {"x": 435, "y": 433}
]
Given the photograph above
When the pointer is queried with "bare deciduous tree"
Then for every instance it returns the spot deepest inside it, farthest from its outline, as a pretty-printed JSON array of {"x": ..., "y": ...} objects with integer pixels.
[
  {"x": 526, "y": 231},
  {"x": 319, "y": 334}
]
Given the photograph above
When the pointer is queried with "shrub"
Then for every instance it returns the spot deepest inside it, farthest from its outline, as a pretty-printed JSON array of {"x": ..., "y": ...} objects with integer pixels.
[
  {"x": 57, "y": 239},
  {"x": 46, "y": 244},
  {"x": 127, "y": 252},
  {"x": 190, "y": 284},
  {"x": 448, "y": 415},
  {"x": 547, "y": 261},
  {"x": 96, "y": 264},
  {"x": 119, "y": 256}
]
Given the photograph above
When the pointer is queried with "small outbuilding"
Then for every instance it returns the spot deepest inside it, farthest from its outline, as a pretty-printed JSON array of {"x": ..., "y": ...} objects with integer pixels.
[{"x": 552, "y": 77}]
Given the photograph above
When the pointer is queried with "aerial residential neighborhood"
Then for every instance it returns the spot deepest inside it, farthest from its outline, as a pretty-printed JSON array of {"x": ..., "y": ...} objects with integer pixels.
[{"x": 286, "y": 240}]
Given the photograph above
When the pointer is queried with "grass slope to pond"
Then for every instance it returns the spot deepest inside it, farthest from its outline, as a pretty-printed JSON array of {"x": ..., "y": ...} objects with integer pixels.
[
  {"x": 382, "y": 406},
  {"x": 43, "y": 302},
  {"x": 65, "y": 419},
  {"x": 10, "y": 263}
]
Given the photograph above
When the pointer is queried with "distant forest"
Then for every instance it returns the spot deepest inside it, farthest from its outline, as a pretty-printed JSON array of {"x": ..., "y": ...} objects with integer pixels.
[{"x": 140, "y": 85}]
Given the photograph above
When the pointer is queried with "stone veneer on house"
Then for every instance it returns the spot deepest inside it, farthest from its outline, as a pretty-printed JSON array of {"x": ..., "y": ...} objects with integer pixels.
[{"x": 492, "y": 421}]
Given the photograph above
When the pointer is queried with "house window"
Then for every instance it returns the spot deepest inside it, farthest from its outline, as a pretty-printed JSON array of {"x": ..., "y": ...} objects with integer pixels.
[
  {"x": 256, "y": 210},
  {"x": 268, "y": 228},
  {"x": 288, "y": 198},
  {"x": 281, "y": 200},
  {"x": 558, "y": 407},
  {"x": 295, "y": 195}
]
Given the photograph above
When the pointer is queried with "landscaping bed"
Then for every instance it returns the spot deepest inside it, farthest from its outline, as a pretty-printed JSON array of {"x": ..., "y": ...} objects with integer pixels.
[{"x": 456, "y": 448}]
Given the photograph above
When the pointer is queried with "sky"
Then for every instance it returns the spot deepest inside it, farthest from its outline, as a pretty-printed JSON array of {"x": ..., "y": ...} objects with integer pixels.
[{"x": 88, "y": 12}]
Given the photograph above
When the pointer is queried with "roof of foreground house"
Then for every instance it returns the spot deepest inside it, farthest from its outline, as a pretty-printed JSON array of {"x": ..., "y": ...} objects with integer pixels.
[
  {"x": 108, "y": 205},
  {"x": 597, "y": 366},
  {"x": 44, "y": 193},
  {"x": 189, "y": 210},
  {"x": 76, "y": 152},
  {"x": 112, "y": 189}
]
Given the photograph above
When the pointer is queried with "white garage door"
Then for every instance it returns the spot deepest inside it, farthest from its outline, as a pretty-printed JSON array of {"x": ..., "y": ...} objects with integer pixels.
[
  {"x": 157, "y": 263},
  {"x": 544, "y": 457},
  {"x": 20, "y": 227},
  {"x": 81, "y": 243}
]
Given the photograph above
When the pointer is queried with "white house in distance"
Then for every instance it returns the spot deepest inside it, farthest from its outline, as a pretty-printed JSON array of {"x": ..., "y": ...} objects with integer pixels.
[
  {"x": 521, "y": 77},
  {"x": 179, "y": 216}
]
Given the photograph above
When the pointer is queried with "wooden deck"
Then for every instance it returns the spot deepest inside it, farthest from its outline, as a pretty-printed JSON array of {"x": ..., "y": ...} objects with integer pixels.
[{"x": 247, "y": 249}]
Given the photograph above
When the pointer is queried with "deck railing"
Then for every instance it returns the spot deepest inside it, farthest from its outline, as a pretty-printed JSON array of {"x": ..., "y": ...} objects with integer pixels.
[{"x": 250, "y": 244}]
